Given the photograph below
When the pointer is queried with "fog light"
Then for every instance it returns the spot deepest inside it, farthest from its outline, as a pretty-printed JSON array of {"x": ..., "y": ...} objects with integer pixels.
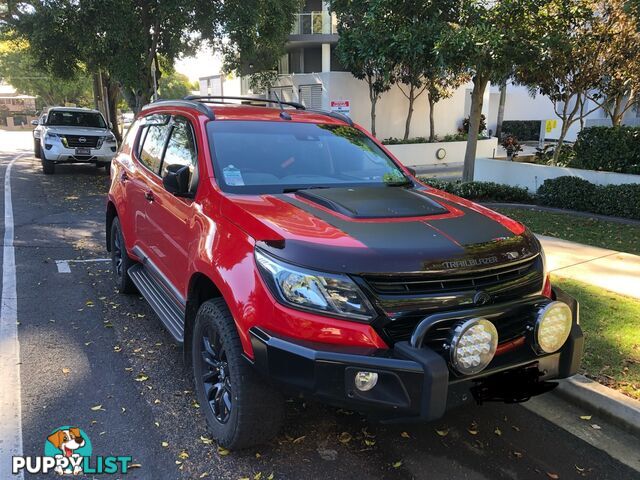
[
  {"x": 553, "y": 326},
  {"x": 473, "y": 345},
  {"x": 365, "y": 381}
]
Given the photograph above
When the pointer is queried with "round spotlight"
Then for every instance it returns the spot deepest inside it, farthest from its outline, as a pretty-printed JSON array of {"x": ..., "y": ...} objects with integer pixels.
[
  {"x": 553, "y": 326},
  {"x": 365, "y": 381},
  {"x": 473, "y": 345}
]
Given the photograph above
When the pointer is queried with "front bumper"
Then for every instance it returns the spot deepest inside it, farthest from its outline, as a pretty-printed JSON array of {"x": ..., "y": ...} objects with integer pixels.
[
  {"x": 414, "y": 383},
  {"x": 58, "y": 153}
]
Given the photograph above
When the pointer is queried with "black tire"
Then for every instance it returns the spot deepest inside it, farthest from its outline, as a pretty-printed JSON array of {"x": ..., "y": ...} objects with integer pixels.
[
  {"x": 243, "y": 410},
  {"x": 48, "y": 168},
  {"x": 120, "y": 260},
  {"x": 36, "y": 148}
]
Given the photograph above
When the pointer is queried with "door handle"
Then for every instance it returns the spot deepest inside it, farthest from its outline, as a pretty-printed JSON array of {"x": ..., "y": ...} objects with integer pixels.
[
  {"x": 149, "y": 195},
  {"x": 124, "y": 177}
]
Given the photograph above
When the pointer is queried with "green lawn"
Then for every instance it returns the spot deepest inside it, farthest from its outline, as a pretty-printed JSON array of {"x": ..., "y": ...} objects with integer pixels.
[
  {"x": 590, "y": 231},
  {"x": 611, "y": 325}
]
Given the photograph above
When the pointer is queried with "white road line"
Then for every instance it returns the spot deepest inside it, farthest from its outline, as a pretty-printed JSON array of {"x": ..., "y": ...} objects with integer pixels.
[
  {"x": 10, "y": 401},
  {"x": 64, "y": 267}
]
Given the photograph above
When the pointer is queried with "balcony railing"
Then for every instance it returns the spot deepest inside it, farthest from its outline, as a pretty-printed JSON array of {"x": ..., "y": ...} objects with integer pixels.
[{"x": 314, "y": 23}]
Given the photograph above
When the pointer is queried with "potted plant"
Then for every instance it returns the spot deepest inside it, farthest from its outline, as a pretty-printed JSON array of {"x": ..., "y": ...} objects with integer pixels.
[{"x": 512, "y": 146}]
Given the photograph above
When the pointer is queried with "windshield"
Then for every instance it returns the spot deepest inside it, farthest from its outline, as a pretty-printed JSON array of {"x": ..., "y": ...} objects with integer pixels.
[
  {"x": 62, "y": 118},
  {"x": 273, "y": 157}
]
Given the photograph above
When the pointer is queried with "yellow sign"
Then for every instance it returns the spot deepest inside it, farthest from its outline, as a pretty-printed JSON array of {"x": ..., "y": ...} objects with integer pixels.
[{"x": 550, "y": 125}]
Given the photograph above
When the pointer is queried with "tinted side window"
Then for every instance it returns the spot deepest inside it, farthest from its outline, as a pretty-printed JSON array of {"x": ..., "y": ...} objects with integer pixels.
[
  {"x": 130, "y": 138},
  {"x": 181, "y": 150},
  {"x": 152, "y": 146}
]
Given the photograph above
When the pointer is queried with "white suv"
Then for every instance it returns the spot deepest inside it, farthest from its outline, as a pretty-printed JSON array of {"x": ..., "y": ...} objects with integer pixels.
[{"x": 75, "y": 135}]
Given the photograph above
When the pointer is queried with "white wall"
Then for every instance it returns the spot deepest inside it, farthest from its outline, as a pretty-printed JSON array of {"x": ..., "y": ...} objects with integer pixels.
[
  {"x": 531, "y": 176},
  {"x": 421, "y": 154},
  {"x": 391, "y": 110}
]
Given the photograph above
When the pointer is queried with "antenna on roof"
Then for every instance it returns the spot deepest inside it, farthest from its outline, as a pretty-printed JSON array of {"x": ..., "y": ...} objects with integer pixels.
[{"x": 284, "y": 115}]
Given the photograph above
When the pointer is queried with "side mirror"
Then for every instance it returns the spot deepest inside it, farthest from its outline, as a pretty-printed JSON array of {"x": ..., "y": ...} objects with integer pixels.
[
  {"x": 176, "y": 181},
  {"x": 412, "y": 171},
  {"x": 35, "y": 123}
]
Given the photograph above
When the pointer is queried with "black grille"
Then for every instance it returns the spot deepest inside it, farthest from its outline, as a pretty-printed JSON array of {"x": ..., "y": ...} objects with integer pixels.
[
  {"x": 73, "y": 141},
  {"x": 408, "y": 299},
  {"x": 429, "y": 284}
]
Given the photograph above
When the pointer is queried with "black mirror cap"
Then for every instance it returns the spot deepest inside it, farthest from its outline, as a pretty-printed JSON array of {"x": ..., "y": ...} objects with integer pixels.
[{"x": 176, "y": 181}]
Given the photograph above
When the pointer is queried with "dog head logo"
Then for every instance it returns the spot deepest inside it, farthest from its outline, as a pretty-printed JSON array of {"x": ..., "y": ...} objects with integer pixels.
[{"x": 69, "y": 445}]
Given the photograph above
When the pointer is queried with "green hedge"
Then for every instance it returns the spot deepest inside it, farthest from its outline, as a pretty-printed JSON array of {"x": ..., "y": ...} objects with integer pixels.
[
  {"x": 482, "y": 190},
  {"x": 575, "y": 193},
  {"x": 523, "y": 130},
  {"x": 570, "y": 193},
  {"x": 610, "y": 149}
]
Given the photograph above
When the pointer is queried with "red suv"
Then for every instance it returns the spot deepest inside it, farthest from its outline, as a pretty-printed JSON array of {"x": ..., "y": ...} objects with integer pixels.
[{"x": 290, "y": 252}]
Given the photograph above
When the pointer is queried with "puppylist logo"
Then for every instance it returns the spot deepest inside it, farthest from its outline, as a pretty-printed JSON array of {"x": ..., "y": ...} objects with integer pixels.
[{"x": 68, "y": 450}]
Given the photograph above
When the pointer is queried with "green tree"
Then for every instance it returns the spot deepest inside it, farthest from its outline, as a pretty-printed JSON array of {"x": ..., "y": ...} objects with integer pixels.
[
  {"x": 619, "y": 85},
  {"x": 20, "y": 70},
  {"x": 174, "y": 85},
  {"x": 364, "y": 46},
  {"x": 488, "y": 39},
  {"x": 254, "y": 37},
  {"x": 566, "y": 53}
]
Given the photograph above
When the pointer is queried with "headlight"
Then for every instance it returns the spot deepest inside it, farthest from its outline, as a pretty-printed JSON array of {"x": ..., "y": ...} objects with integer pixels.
[
  {"x": 473, "y": 345},
  {"x": 109, "y": 138},
  {"x": 553, "y": 326},
  {"x": 327, "y": 293},
  {"x": 49, "y": 135}
]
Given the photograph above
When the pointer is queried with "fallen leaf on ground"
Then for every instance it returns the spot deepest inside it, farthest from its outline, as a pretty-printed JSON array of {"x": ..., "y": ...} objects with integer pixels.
[
  {"x": 553, "y": 476},
  {"x": 95, "y": 408},
  {"x": 66, "y": 370},
  {"x": 497, "y": 431},
  {"x": 585, "y": 417},
  {"x": 223, "y": 451},
  {"x": 206, "y": 440},
  {"x": 183, "y": 455},
  {"x": 165, "y": 444},
  {"x": 405, "y": 435},
  {"x": 299, "y": 439},
  {"x": 443, "y": 433},
  {"x": 397, "y": 464},
  {"x": 596, "y": 427},
  {"x": 345, "y": 437},
  {"x": 142, "y": 377}
]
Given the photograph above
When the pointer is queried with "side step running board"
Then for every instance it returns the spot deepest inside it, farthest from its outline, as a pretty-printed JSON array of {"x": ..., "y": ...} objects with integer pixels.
[{"x": 160, "y": 300}]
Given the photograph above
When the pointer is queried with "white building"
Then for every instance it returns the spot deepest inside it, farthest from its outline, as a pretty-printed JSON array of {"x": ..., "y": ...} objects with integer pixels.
[{"x": 311, "y": 73}]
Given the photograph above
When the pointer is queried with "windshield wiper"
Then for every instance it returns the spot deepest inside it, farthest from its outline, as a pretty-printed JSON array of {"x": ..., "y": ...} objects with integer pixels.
[
  {"x": 303, "y": 187},
  {"x": 399, "y": 183}
]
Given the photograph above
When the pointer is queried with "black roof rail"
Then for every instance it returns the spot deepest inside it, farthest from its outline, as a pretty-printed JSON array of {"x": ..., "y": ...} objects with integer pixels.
[
  {"x": 221, "y": 99},
  {"x": 182, "y": 103},
  {"x": 336, "y": 115}
]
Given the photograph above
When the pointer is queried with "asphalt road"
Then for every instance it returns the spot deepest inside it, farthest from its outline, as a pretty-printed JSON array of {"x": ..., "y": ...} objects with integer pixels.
[{"x": 83, "y": 346}]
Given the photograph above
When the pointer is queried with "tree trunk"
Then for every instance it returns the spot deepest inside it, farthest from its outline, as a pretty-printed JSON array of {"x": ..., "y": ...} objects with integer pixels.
[
  {"x": 407, "y": 125},
  {"x": 503, "y": 99},
  {"x": 113, "y": 92},
  {"x": 477, "y": 94},
  {"x": 618, "y": 114},
  {"x": 432, "y": 125},
  {"x": 374, "y": 99}
]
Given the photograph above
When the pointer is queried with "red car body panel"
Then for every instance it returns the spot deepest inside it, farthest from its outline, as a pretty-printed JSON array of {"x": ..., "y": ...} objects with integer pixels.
[{"x": 214, "y": 234}]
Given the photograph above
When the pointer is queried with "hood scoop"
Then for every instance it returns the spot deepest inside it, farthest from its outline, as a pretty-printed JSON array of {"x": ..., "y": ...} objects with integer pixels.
[{"x": 374, "y": 202}]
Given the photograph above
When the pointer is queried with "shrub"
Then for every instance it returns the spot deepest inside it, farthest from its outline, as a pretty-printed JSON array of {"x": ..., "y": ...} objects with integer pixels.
[
  {"x": 525, "y": 130},
  {"x": 567, "y": 192},
  {"x": 577, "y": 194},
  {"x": 566, "y": 158},
  {"x": 481, "y": 128},
  {"x": 482, "y": 190},
  {"x": 610, "y": 149}
]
